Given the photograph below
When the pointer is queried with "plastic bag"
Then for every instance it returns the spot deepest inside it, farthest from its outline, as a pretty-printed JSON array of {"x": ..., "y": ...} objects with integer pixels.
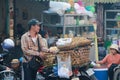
[
  {"x": 64, "y": 66},
  {"x": 58, "y": 7}
]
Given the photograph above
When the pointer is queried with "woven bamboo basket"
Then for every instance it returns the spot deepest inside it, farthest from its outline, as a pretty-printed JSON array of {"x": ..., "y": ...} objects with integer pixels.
[
  {"x": 79, "y": 56},
  {"x": 79, "y": 51},
  {"x": 50, "y": 59}
]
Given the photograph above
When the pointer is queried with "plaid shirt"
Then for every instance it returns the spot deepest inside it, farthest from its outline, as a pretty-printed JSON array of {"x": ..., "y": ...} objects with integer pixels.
[{"x": 30, "y": 48}]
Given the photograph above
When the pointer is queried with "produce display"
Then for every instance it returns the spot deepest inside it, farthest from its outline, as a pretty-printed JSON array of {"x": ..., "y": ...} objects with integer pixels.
[
  {"x": 76, "y": 42},
  {"x": 79, "y": 55},
  {"x": 54, "y": 49},
  {"x": 78, "y": 49}
]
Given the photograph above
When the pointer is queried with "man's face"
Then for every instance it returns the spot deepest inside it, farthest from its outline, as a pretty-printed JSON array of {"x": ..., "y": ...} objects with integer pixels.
[{"x": 36, "y": 28}]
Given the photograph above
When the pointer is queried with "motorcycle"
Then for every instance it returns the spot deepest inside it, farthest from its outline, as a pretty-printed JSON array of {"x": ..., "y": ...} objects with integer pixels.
[
  {"x": 5, "y": 57},
  {"x": 117, "y": 73},
  {"x": 7, "y": 75},
  {"x": 83, "y": 72}
]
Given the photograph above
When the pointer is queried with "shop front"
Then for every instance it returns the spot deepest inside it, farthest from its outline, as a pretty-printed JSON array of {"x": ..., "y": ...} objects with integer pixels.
[{"x": 19, "y": 12}]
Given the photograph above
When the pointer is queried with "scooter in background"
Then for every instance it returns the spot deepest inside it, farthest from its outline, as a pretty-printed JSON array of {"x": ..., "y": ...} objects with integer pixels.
[{"x": 5, "y": 74}]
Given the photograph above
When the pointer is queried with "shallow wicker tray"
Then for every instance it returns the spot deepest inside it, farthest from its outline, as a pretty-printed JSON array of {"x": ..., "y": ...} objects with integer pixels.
[{"x": 76, "y": 42}]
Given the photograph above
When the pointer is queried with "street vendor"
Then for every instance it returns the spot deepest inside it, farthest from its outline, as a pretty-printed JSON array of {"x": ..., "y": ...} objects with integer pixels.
[
  {"x": 31, "y": 48},
  {"x": 111, "y": 60}
]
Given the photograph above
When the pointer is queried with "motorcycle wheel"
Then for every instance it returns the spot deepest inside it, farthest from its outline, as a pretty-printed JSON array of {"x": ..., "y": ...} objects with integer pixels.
[{"x": 117, "y": 75}]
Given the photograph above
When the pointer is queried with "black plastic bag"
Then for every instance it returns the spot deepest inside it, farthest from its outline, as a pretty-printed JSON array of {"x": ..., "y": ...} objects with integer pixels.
[{"x": 35, "y": 62}]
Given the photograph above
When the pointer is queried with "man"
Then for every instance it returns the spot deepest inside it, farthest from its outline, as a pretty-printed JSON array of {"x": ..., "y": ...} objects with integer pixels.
[{"x": 29, "y": 45}]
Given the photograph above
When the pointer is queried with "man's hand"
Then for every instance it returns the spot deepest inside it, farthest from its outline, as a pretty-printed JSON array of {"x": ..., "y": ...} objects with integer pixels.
[{"x": 42, "y": 56}]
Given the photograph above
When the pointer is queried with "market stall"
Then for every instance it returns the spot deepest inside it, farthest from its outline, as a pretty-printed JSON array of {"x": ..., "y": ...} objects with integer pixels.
[
  {"x": 74, "y": 54},
  {"x": 78, "y": 49},
  {"x": 71, "y": 19}
]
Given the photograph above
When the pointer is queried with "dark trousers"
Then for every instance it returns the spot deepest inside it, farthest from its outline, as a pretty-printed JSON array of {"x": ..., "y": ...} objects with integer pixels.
[
  {"x": 111, "y": 71},
  {"x": 29, "y": 74}
]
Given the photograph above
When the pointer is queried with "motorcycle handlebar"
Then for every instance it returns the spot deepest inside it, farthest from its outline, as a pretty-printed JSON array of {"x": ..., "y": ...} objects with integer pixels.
[{"x": 7, "y": 71}]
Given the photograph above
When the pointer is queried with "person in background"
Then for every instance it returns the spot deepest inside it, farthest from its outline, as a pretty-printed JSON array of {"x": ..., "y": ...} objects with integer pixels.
[
  {"x": 111, "y": 60},
  {"x": 45, "y": 36},
  {"x": 29, "y": 45},
  {"x": 59, "y": 31},
  {"x": 16, "y": 67},
  {"x": 19, "y": 30}
]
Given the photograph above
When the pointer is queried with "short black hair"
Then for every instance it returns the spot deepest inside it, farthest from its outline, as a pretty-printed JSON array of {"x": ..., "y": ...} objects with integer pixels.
[{"x": 33, "y": 22}]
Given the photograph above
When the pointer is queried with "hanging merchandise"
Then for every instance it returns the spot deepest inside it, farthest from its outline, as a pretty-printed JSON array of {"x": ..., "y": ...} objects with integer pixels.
[
  {"x": 58, "y": 7},
  {"x": 90, "y": 8},
  {"x": 71, "y": 2},
  {"x": 79, "y": 9},
  {"x": 72, "y": 10},
  {"x": 93, "y": 9},
  {"x": 80, "y": 2}
]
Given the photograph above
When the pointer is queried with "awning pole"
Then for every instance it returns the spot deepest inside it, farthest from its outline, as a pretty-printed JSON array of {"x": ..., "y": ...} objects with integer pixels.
[{"x": 7, "y": 19}]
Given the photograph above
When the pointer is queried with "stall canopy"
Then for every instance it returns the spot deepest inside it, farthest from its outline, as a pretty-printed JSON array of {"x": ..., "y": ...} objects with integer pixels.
[{"x": 90, "y": 1}]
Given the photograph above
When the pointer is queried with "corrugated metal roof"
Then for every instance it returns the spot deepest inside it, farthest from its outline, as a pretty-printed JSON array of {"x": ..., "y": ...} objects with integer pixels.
[
  {"x": 89, "y": 1},
  {"x": 106, "y": 1}
]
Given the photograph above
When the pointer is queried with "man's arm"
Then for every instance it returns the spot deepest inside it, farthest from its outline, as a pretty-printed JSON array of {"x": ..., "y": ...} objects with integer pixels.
[{"x": 24, "y": 46}]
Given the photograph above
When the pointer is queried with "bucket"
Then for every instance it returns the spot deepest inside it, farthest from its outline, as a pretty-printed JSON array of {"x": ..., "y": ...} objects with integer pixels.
[{"x": 101, "y": 73}]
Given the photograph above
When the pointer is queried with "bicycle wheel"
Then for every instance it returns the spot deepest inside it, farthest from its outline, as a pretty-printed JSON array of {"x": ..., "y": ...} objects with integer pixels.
[
  {"x": 82, "y": 77},
  {"x": 117, "y": 75}
]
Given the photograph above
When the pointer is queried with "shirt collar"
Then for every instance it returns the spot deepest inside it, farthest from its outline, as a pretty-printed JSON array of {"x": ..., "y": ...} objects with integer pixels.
[{"x": 28, "y": 33}]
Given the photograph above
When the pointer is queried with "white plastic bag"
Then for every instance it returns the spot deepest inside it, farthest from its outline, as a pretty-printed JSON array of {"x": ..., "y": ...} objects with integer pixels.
[
  {"x": 63, "y": 41},
  {"x": 64, "y": 66},
  {"x": 58, "y": 7}
]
